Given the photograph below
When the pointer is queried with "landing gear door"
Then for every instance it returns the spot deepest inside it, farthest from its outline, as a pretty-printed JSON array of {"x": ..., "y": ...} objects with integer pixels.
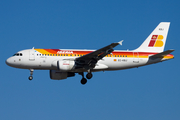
[
  {"x": 135, "y": 57},
  {"x": 31, "y": 55}
]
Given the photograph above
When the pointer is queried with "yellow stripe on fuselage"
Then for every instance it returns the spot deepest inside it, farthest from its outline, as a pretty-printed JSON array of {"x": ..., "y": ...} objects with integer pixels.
[{"x": 42, "y": 51}]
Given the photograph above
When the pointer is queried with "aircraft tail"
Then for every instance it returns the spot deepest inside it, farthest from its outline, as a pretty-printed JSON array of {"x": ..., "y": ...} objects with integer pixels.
[{"x": 155, "y": 42}]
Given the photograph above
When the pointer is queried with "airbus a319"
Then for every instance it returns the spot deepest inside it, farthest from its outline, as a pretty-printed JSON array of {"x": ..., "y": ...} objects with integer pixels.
[{"x": 64, "y": 63}]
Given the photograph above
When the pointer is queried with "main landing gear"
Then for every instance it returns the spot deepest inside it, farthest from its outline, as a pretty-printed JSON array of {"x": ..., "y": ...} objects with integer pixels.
[
  {"x": 84, "y": 80},
  {"x": 31, "y": 73},
  {"x": 89, "y": 76}
]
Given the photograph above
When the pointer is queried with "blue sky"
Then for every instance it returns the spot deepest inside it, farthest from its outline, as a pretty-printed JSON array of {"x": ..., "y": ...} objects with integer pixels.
[{"x": 145, "y": 93}]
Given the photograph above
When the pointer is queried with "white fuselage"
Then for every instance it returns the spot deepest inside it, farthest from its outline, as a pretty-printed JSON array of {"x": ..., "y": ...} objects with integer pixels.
[{"x": 31, "y": 59}]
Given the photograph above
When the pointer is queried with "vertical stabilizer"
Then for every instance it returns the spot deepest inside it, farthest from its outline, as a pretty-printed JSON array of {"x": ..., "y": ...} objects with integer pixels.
[{"x": 155, "y": 42}]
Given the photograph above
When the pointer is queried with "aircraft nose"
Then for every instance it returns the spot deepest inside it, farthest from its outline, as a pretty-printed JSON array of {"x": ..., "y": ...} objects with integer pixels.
[{"x": 9, "y": 62}]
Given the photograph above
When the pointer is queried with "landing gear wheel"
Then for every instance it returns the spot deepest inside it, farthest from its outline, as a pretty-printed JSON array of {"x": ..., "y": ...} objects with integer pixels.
[
  {"x": 31, "y": 73},
  {"x": 30, "y": 77},
  {"x": 83, "y": 81},
  {"x": 89, "y": 76}
]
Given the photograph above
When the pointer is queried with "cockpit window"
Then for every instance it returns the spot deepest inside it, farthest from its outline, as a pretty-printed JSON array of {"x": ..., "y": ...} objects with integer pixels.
[{"x": 18, "y": 54}]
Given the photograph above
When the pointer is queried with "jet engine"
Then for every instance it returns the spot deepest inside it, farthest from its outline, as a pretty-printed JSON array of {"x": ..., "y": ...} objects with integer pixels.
[
  {"x": 64, "y": 65},
  {"x": 57, "y": 75}
]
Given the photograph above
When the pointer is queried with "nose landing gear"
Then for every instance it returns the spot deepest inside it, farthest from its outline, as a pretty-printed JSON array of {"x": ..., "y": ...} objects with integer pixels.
[{"x": 31, "y": 73}]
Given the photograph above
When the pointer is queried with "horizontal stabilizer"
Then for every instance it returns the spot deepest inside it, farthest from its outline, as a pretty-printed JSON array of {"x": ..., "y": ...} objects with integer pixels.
[{"x": 162, "y": 54}]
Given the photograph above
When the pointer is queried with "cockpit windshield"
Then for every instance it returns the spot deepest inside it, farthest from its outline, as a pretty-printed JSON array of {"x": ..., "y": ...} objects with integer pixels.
[{"x": 18, "y": 54}]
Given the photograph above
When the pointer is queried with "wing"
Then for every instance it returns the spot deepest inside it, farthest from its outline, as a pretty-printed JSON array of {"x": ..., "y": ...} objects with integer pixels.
[{"x": 89, "y": 61}]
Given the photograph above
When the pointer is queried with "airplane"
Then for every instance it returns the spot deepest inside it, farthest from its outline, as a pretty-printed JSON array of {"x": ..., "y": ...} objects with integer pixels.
[{"x": 64, "y": 63}]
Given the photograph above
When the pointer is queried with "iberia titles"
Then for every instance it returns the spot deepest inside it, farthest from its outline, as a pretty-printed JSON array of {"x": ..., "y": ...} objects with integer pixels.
[{"x": 64, "y": 52}]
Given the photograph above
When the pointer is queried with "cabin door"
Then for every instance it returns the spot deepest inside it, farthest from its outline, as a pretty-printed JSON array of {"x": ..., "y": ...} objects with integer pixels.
[
  {"x": 31, "y": 55},
  {"x": 135, "y": 57}
]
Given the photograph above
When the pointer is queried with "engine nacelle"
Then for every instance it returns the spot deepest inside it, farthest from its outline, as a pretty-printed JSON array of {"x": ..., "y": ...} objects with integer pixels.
[
  {"x": 64, "y": 65},
  {"x": 57, "y": 75}
]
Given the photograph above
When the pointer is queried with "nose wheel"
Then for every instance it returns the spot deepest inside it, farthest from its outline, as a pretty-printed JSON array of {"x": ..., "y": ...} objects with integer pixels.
[
  {"x": 31, "y": 73},
  {"x": 30, "y": 77}
]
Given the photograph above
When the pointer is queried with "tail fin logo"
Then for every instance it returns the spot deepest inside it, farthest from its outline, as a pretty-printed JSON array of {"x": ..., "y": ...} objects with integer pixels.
[{"x": 156, "y": 41}]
